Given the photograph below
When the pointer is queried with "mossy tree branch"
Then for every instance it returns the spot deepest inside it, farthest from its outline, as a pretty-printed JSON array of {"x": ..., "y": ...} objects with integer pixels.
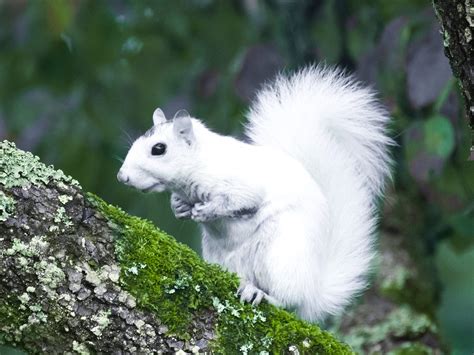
[{"x": 78, "y": 275}]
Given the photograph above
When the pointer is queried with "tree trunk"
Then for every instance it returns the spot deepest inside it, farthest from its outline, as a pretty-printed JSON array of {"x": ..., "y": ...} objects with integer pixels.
[
  {"x": 457, "y": 25},
  {"x": 81, "y": 276}
]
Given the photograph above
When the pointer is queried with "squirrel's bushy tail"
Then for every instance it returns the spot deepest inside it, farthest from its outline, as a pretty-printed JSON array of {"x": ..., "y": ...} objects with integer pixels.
[
  {"x": 290, "y": 111},
  {"x": 336, "y": 128}
]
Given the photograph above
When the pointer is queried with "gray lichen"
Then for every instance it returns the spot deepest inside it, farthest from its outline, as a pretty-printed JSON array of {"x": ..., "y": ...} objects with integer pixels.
[
  {"x": 102, "y": 320},
  {"x": 469, "y": 13},
  {"x": 23, "y": 169},
  {"x": 64, "y": 199},
  {"x": 467, "y": 35},
  {"x": 79, "y": 348},
  {"x": 7, "y": 206}
]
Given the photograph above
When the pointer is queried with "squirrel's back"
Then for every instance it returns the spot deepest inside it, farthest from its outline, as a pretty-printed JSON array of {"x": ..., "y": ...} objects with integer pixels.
[{"x": 336, "y": 128}]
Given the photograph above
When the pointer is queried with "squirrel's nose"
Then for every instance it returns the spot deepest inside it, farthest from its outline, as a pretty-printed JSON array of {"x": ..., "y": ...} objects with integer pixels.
[{"x": 122, "y": 177}]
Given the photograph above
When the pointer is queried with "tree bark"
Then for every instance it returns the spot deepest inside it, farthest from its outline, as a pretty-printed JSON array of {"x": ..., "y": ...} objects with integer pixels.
[{"x": 457, "y": 27}]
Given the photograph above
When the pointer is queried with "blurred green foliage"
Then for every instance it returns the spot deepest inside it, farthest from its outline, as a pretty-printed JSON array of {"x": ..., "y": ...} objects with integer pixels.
[{"x": 78, "y": 77}]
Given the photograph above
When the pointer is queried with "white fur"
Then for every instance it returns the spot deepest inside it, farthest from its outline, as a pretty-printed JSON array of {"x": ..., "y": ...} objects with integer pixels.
[{"x": 293, "y": 212}]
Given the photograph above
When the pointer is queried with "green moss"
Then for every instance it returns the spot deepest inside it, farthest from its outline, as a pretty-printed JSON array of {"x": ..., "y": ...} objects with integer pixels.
[
  {"x": 11, "y": 319},
  {"x": 7, "y": 206},
  {"x": 170, "y": 279},
  {"x": 20, "y": 169},
  {"x": 23, "y": 322}
]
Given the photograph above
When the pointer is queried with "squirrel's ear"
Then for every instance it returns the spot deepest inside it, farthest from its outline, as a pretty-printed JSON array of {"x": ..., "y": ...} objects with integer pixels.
[
  {"x": 181, "y": 113},
  {"x": 183, "y": 126},
  {"x": 158, "y": 116}
]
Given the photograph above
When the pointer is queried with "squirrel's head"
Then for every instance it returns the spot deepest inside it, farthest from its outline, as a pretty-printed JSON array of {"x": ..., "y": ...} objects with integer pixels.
[{"x": 158, "y": 158}]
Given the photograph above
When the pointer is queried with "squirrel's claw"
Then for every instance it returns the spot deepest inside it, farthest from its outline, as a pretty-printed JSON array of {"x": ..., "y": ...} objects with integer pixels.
[
  {"x": 250, "y": 293},
  {"x": 258, "y": 298}
]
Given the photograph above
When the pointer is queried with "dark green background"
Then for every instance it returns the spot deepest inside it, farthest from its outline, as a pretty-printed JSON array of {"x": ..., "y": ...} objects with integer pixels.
[{"x": 80, "y": 79}]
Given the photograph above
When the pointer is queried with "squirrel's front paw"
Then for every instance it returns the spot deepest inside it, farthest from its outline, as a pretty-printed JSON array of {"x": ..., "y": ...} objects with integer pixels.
[
  {"x": 181, "y": 208},
  {"x": 203, "y": 212}
]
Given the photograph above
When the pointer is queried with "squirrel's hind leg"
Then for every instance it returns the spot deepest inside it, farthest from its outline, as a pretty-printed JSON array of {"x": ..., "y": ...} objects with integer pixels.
[{"x": 248, "y": 292}]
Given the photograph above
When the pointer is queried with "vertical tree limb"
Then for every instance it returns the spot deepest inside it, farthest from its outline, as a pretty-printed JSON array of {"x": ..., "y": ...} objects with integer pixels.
[{"x": 457, "y": 26}]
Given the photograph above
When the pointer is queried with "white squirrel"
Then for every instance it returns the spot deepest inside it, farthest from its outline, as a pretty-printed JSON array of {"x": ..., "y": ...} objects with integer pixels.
[{"x": 293, "y": 211}]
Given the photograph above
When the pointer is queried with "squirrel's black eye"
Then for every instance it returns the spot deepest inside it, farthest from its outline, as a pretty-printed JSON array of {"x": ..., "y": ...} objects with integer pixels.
[{"x": 158, "y": 149}]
